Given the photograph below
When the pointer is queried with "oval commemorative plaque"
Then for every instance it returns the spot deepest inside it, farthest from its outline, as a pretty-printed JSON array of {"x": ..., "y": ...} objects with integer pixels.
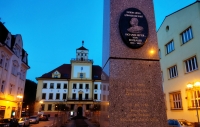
[{"x": 133, "y": 28}]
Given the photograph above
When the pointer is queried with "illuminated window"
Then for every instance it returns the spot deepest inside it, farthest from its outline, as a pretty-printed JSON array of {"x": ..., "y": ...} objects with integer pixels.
[
  {"x": 194, "y": 98},
  {"x": 175, "y": 100}
]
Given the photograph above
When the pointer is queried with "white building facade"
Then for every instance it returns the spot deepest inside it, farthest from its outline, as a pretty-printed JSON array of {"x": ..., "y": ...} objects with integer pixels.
[
  {"x": 13, "y": 69},
  {"x": 76, "y": 85}
]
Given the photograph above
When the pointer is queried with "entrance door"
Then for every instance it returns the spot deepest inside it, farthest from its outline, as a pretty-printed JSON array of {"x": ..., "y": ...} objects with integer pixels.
[
  {"x": 80, "y": 96},
  {"x": 80, "y": 111}
]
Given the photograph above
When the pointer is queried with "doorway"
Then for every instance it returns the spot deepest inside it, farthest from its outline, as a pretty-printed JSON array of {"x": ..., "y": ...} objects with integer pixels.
[
  {"x": 80, "y": 111},
  {"x": 80, "y": 96}
]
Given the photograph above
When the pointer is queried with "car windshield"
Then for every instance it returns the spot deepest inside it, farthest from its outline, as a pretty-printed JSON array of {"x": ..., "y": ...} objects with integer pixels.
[{"x": 184, "y": 122}]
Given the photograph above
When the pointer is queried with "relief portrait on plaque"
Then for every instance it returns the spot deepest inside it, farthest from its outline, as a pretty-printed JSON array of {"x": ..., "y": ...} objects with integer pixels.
[{"x": 133, "y": 28}]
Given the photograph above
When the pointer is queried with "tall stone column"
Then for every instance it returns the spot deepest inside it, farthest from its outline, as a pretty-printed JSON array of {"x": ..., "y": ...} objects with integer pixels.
[{"x": 131, "y": 66}]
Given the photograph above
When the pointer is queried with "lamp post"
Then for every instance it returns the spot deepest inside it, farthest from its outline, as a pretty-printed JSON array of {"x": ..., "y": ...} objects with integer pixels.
[{"x": 194, "y": 86}]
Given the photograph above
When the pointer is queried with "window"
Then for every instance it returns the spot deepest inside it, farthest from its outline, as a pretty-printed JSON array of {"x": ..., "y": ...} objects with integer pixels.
[
  {"x": 104, "y": 97},
  {"x": 86, "y": 86},
  {"x": 175, "y": 100},
  {"x": 81, "y": 75},
  {"x": 44, "y": 85},
  {"x": 186, "y": 35},
  {"x": 43, "y": 95},
  {"x": 50, "y": 95},
  {"x": 15, "y": 67},
  {"x": 73, "y": 96},
  {"x": 191, "y": 64},
  {"x": 57, "y": 96},
  {"x": 51, "y": 85},
  {"x": 56, "y": 107},
  {"x": 194, "y": 98},
  {"x": 86, "y": 96},
  {"x": 159, "y": 52},
  {"x": 6, "y": 63},
  {"x": 104, "y": 87},
  {"x": 49, "y": 107},
  {"x": 95, "y": 86},
  {"x": 11, "y": 88},
  {"x": 2, "y": 86},
  {"x": 64, "y": 95},
  {"x": 65, "y": 86},
  {"x": 173, "y": 72},
  {"x": 95, "y": 96},
  {"x": 42, "y": 107},
  {"x": 80, "y": 86},
  {"x": 74, "y": 86},
  {"x": 58, "y": 85},
  {"x": 2, "y": 59},
  {"x": 169, "y": 47},
  {"x": 87, "y": 106}
]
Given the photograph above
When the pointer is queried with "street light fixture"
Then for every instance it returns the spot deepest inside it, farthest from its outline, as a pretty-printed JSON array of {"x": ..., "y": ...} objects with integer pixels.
[{"x": 194, "y": 86}]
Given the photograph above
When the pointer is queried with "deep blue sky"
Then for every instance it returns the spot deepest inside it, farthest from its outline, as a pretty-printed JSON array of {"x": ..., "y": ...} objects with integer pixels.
[{"x": 52, "y": 30}]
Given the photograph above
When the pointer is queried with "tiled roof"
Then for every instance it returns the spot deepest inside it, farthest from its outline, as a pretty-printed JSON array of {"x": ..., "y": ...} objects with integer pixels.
[
  {"x": 3, "y": 33},
  {"x": 82, "y": 48},
  {"x": 65, "y": 71}
]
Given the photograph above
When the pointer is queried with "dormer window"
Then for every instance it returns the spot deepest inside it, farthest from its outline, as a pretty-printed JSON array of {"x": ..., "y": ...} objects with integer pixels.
[{"x": 56, "y": 74}]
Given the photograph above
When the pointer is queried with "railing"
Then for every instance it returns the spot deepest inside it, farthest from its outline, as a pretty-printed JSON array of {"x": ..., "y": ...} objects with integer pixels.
[
  {"x": 80, "y": 99},
  {"x": 84, "y": 60}
]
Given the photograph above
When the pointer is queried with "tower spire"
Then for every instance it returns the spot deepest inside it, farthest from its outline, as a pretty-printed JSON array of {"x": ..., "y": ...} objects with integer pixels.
[{"x": 82, "y": 43}]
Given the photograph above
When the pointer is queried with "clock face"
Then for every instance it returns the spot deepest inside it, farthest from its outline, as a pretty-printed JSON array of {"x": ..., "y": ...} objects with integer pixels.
[{"x": 133, "y": 28}]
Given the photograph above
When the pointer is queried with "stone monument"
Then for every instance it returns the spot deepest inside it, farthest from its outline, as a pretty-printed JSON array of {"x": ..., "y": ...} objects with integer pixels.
[{"x": 132, "y": 93}]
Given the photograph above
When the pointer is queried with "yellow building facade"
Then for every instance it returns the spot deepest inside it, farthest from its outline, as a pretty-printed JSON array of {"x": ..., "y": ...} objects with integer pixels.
[
  {"x": 178, "y": 40},
  {"x": 75, "y": 85}
]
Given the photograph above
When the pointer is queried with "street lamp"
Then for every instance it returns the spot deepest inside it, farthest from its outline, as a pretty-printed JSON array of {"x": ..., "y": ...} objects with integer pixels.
[{"x": 194, "y": 88}]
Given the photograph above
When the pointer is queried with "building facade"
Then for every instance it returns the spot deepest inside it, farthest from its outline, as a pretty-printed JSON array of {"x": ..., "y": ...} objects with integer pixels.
[
  {"x": 76, "y": 85},
  {"x": 13, "y": 69},
  {"x": 178, "y": 39}
]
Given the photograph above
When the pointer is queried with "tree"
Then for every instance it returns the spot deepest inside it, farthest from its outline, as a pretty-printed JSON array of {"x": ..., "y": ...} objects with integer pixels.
[{"x": 29, "y": 95}]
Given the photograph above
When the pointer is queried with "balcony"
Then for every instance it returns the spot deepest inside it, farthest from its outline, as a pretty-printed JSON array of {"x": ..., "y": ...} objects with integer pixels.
[
  {"x": 79, "y": 99},
  {"x": 81, "y": 60}
]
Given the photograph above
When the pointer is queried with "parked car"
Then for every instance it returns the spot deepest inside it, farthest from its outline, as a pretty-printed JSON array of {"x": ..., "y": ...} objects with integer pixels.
[
  {"x": 34, "y": 119},
  {"x": 9, "y": 122},
  {"x": 24, "y": 122},
  {"x": 44, "y": 117},
  {"x": 179, "y": 123}
]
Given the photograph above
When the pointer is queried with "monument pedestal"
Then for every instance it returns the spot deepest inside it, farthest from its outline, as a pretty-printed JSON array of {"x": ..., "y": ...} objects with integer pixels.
[{"x": 133, "y": 96}]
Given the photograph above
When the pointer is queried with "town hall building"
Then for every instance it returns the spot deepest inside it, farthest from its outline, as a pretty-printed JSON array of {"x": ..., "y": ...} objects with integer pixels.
[{"x": 76, "y": 85}]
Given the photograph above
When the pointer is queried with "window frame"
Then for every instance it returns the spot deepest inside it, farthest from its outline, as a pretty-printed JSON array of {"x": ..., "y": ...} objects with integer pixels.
[
  {"x": 51, "y": 95},
  {"x": 189, "y": 67},
  {"x": 44, "y": 96},
  {"x": 58, "y": 86},
  {"x": 184, "y": 35},
  {"x": 65, "y": 84},
  {"x": 44, "y": 84},
  {"x": 57, "y": 96},
  {"x": 173, "y": 71},
  {"x": 176, "y": 100},
  {"x": 51, "y": 86},
  {"x": 169, "y": 47}
]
